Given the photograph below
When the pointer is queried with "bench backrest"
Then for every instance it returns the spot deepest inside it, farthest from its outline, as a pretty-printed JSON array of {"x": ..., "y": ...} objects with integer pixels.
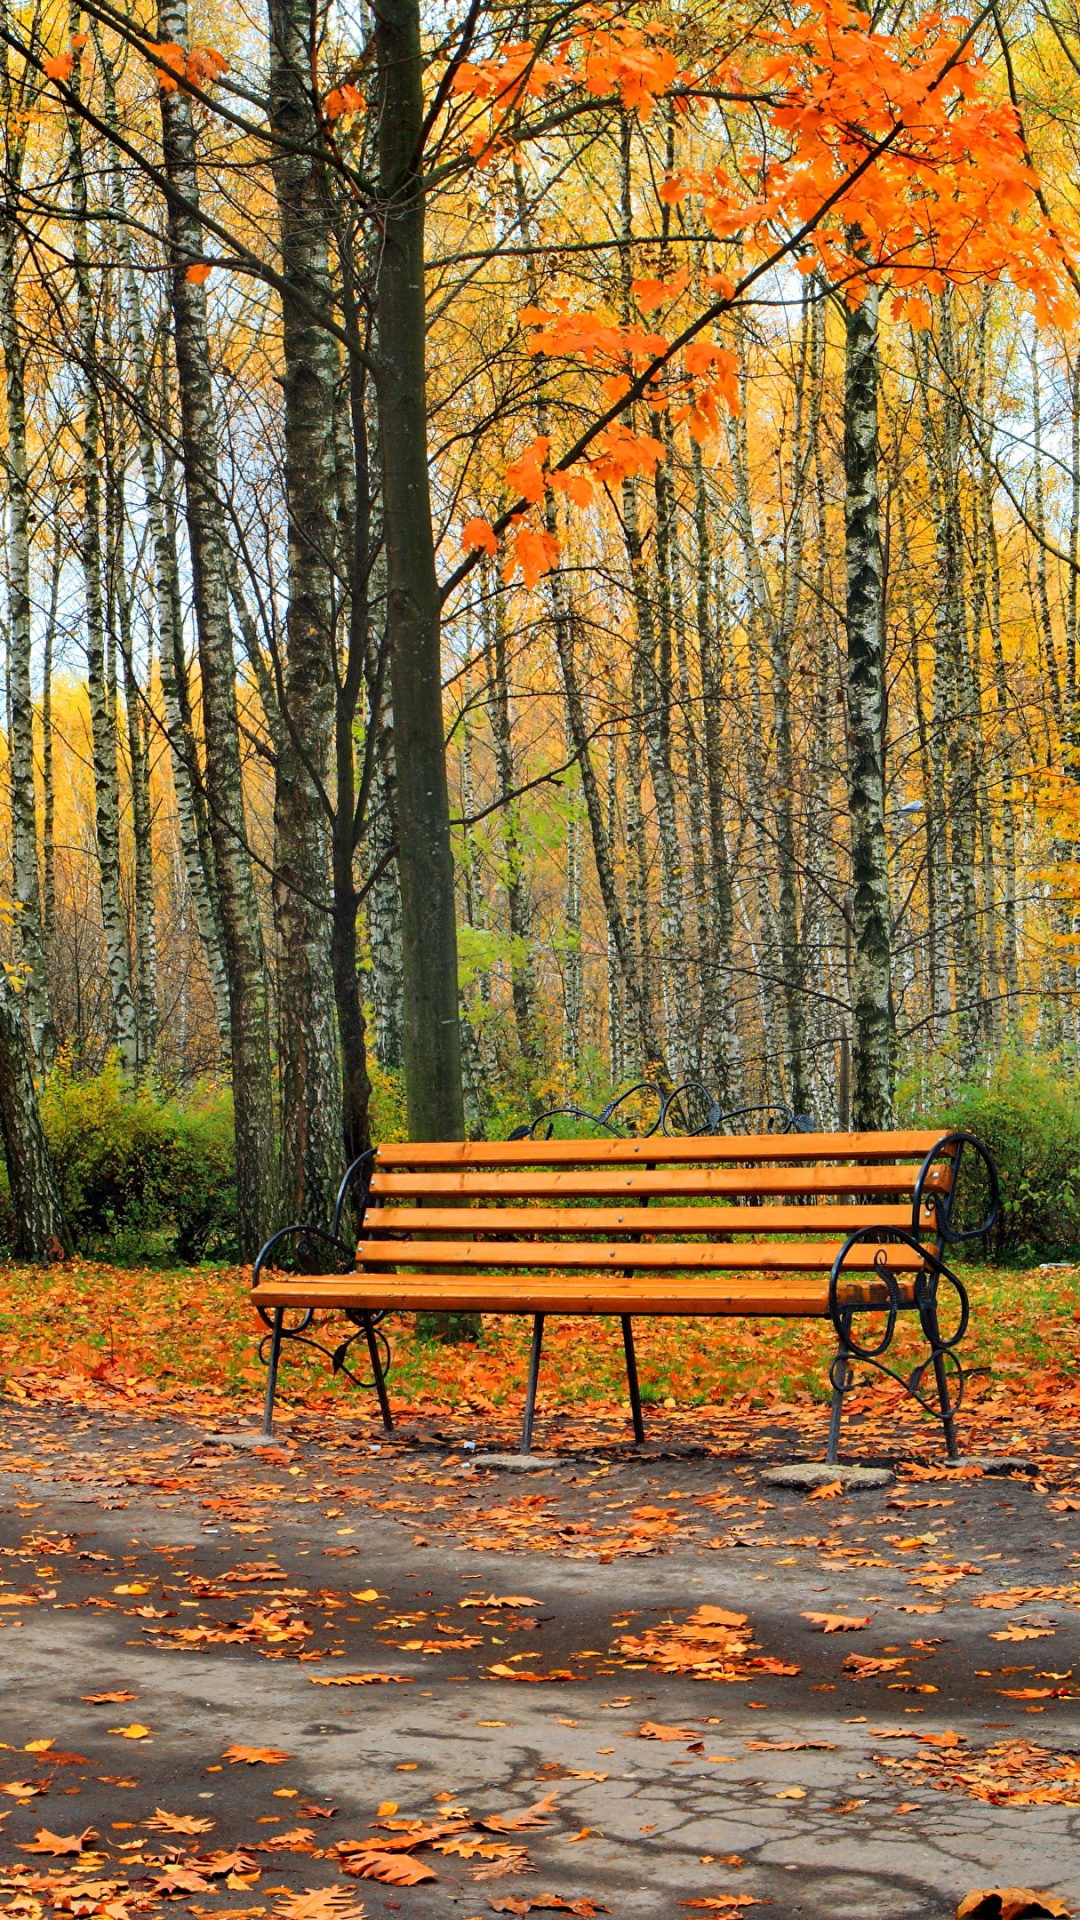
[{"x": 782, "y": 1184}]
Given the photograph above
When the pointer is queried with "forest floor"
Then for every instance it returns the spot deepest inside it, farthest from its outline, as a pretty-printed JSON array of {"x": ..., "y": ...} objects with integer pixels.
[{"x": 357, "y": 1672}]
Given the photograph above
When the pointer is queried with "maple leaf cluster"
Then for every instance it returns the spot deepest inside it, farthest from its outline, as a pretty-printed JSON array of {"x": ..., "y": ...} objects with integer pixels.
[{"x": 881, "y": 159}]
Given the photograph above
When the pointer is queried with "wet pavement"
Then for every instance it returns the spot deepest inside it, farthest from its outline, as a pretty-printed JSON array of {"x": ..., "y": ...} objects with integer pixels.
[{"x": 946, "y": 1763}]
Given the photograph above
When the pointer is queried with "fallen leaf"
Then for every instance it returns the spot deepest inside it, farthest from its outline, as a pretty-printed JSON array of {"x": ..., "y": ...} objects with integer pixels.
[
  {"x": 864, "y": 1665},
  {"x": 723, "y": 1904},
  {"x": 1033, "y": 1693},
  {"x": 655, "y": 1730},
  {"x": 227, "y": 1860},
  {"x": 56, "y": 1843},
  {"x": 256, "y": 1756},
  {"x": 163, "y": 1822},
  {"x": 392, "y": 1869},
  {"x": 21, "y": 1789},
  {"x": 320, "y": 1903},
  {"x": 110, "y": 1699},
  {"x": 547, "y": 1903},
  {"x": 830, "y": 1492},
  {"x": 1009, "y": 1903},
  {"x": 357, "y": 1679},
  {"x": 791, "y": 1793},
  {"x": 534, "y": 1816},
  {"x": 385, "y": 1808},
  {"x": 788, "y": 1746},
  {"x": 1015, "y": 1632},
  {"x": 180, "y": 1879},
  {"x": 134, "y": 1732},
  {"x": 501, "y": 1600},
  {"x": 838, "y": 1622}
]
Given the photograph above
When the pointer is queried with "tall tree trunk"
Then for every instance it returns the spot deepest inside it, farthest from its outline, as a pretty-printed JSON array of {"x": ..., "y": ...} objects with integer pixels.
[
  {"x": 160, "y": 513},
  {"x": 961, "y": 741},
  {"x": 864, "y": 619},
  {"x": 26, "y": 890},
  {"x": 144, "y": 932},
  {"x": 48, "y": 782},
  {"x": 35, "y": 1198},
  {"x": 102, "y": 705},
  {"x": 384, "y": 919},
  {"x": 311, "y": 1115},
  {"x": 241, "y": 928},
  {"x": 722, "y": 1063},
  {"x": 425, "y": 858},
  {"x": 522, "y": 971}
]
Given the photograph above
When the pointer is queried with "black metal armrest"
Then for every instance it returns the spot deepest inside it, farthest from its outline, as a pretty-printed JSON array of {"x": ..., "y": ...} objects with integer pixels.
[
  {"x": 927, "y": 1281},
  {"x": 360, "y": 1172},
  {"x": 307, "y": 1230},
  {"x": 945, "y": 1203}
]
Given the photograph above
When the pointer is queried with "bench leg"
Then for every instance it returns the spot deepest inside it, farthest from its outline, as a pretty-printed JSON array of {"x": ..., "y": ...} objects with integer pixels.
[
  {"x": 840, "y": 1372},
  {"x": 377, "y": 1372},
  {"x": 534, "y": 1375},
  {"x": 272, "y": 1372},
  {"x": 631, "y": 1377},
  {"x": 941, "y": 1377}
]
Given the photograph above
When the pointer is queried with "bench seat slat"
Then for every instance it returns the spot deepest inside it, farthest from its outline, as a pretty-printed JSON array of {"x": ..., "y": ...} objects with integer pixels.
[
  {"x": 765, "y": 1256},
  {"x": 500, "y": 1293},
  {"x": 680, "y": 1182},
  {"x": 649, "y": 1221},
  {"x": 715, "y": 1148}
]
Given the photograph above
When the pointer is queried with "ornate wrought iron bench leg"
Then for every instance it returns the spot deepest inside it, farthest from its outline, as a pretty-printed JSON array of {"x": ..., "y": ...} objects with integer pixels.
[
  {"x": 941, "y": 1377},
  {"x": 272, "y": 1372},
  {"x": 839, "y": 1373},
  {"x": 534, "y": 1375},
  {"x": 377, "y": 1374},
  {"x": 631, "y": 1377}
]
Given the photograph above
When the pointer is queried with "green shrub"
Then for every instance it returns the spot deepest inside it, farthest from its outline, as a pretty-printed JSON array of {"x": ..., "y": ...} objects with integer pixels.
[
  {"x": 1029, "y": 1118},
  {"x": 138, "y": 1173}
]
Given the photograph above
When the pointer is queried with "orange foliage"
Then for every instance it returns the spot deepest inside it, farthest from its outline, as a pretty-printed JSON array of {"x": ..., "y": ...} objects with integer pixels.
[{"x": 880, "y": 157}]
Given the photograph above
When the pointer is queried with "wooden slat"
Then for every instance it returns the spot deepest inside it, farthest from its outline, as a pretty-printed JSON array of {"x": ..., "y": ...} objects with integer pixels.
[
  {"x": 766, "y": 1256},
  {"x": 683, "y": 1182},
  {"x": 649, "y": 1221},
  {"x": 495, "y": 1293},
  {"x": 723, "y": 1148}
]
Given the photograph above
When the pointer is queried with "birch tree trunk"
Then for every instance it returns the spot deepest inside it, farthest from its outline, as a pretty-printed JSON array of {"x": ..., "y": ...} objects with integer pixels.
[
  {"x": 26, "y": 889},
  {"x": 241, "y": 928},
  {"x": 136, "y": 718},
  {"x": 721, "y": 1065},
  {"x": 311, "y": 1115},
  {"x": 425, "y": 858},
  {"x": 158, "y": 493},
  {"x": 35, "y": 1197},
  {"x": 48, "y": 783},
  {"x": 384, "y": 915},
  {"x": 962, "y": 744},
  {"x": 864, "y": 619},
  {"x": 102, "y": 706},
  {"x": 522, "y": 971}
]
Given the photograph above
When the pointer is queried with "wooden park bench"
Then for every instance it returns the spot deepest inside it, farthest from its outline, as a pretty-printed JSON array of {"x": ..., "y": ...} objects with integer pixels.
[{"x": 818, "y": 1226}]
